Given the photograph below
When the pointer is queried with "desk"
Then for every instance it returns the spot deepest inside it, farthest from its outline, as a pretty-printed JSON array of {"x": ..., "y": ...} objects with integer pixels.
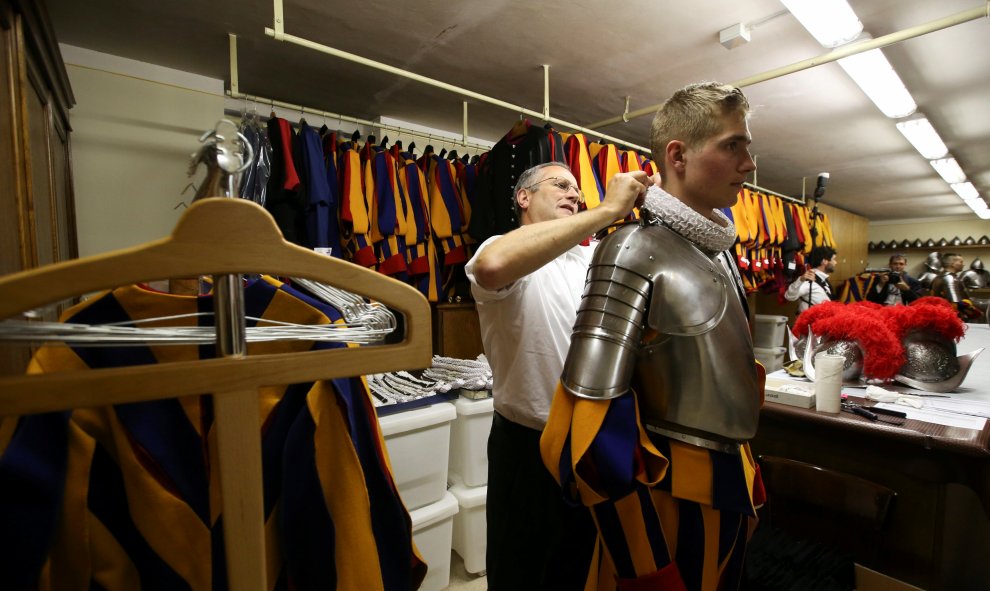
[{"x": 939, "y": 527}]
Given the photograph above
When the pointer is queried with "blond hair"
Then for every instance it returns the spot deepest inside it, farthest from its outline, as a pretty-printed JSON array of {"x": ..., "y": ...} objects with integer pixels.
[{"x": 693, "y": 115}]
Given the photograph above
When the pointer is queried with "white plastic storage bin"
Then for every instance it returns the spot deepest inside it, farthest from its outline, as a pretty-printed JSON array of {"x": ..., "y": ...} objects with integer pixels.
[
  {"x": 772, "y": 358},
  {"x": 768, "y": 331},
  {"x": 470, "y": 525},
  {"x": 418, "y": 442},
  {"x": 469, "y": 440},
  {"x": 433, "y": 527}
]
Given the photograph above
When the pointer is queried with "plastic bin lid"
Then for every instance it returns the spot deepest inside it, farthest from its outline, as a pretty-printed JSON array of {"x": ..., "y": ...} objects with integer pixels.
[
  {"x": 770, "y": 350},
  {"x": 770, "y": 318},
  {"x": 417, "y": 418},
  {"x": 434, "y": 512},
  {"x": 467, "y": 496},
  {"x": 466, "y": 406}
]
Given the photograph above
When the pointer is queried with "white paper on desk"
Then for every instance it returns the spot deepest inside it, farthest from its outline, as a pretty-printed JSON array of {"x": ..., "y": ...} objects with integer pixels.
[
  {"x": 976, "y": 408},
  {"x": 938, "y": 417}
]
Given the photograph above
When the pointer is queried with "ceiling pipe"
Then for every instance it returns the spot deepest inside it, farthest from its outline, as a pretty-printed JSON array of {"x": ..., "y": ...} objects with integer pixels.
[
  {"x": 235, "y": 93},
  {"x": 279, "y": 34},
  {"x": 825, "y": 58}
]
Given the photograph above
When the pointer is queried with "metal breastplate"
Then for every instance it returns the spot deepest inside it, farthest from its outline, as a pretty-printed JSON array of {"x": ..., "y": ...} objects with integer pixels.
[
  {"x": 949, "y": 287},
  {"x": 661, "y": 317}
]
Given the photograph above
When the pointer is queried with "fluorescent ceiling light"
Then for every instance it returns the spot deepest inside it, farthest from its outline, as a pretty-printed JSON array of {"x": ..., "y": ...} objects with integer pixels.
[
  {"x": 831, "y": 22},
  {"x": 875, "y": 76},
  {"x": 983, "y": 215},
  {"x": 965, "y": 190},
  {"x": 923, "y": 137},
  {"x": 978, "y": 205},
  {"x": 950, "y": 170}
]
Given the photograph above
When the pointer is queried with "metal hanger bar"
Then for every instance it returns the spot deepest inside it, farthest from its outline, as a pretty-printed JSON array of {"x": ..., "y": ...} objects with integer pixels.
[
  {"x": 831, "y": 56},
  {"x": 279, "y": 35},
  {"x": 356, "y": 120},
  {"x": 753, "y": 187}
]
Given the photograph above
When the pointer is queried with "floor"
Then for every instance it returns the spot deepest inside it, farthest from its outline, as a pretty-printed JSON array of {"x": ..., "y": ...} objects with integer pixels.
[{"x": 461, "y": 580}]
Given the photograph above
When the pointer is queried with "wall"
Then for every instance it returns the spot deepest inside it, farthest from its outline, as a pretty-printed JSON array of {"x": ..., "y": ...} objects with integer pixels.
[
  {"x": 134, "y": 129},
  {"x": 969, "y": 226}
]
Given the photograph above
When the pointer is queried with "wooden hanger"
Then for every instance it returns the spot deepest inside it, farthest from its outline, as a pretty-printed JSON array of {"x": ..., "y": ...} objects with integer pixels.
[{"x": 215, "y": 236}]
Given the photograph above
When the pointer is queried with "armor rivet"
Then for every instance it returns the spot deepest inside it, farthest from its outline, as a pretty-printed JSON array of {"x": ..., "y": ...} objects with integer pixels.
[
  {"x": 651, "y": 257},
  {"x": 627, "y": 246},
  {"x": 649, "y": 275}
]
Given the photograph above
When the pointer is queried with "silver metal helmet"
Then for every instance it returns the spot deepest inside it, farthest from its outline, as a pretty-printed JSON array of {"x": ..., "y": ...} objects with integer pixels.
[
  {"x": 934, "y": 261},
  {"x": 931, "y": 362},
  {"x": 850, "y": 351}
]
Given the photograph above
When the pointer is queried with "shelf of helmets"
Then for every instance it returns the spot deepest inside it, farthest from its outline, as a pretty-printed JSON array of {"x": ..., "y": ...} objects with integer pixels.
[{"x": 918, "y": 244}]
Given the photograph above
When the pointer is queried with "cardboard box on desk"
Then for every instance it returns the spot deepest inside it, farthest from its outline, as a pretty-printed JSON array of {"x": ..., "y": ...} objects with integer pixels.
[
  {"x": 871, "y": 580},
  {"x": 792, "y": 396}
]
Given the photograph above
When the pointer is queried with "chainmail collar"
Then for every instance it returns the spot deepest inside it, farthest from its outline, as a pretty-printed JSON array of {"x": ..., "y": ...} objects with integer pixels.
[{"x": 660, "y": 207}]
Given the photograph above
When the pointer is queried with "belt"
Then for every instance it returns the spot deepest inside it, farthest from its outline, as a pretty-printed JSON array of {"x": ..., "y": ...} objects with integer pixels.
[{"x": 729, "y": 447}]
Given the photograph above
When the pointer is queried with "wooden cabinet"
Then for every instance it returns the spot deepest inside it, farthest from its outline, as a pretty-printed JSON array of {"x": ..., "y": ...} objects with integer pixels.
[
  {"x": 457, "y": 331},
  {"x": 37, "y": 213}
]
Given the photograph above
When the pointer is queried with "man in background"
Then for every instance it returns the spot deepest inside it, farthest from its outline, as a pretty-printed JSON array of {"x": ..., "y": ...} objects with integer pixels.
[
  {"x": 813, "y": 287},
  {"x": 895, "y": 287},
  {"x": 949, "y": 286},
  {"x": 527, "y": 285}
]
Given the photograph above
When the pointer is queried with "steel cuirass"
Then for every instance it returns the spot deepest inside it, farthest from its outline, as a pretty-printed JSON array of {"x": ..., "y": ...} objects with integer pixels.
[
  {"x": 662, "y": 318},
  {"x": 949, "y": 287}
]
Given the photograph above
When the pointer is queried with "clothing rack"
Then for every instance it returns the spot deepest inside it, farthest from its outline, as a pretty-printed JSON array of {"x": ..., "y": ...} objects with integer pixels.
[
  {"x": 215, "y": 236},
  {"x": 753, "y": 187},
  {"x": 303, "y": 110}
]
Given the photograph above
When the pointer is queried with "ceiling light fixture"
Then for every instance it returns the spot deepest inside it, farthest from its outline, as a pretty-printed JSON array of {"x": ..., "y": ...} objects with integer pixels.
[
  {"x": 949, "y": 169},
  {"x": 831, "y": 22},
  {"x": 978, "y": 205},
  {"x": 966, "y": 191},
  {"x": 872, "y": 72},
  {"x": 923, "y": 137}
]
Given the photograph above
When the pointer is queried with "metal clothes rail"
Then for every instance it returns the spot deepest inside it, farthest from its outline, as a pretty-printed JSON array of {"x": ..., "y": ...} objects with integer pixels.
[
  {"x": 753, "y": 187},
  {"x": 235, "y": 93}
]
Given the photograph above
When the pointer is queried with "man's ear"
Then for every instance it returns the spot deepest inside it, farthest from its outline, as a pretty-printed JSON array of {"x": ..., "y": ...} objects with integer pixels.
[
  {"x": 676, "y": 151},
  {"x": 522, "y": 198}
]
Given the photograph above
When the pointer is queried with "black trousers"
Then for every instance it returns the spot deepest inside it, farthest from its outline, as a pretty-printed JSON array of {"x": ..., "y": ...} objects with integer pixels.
[{"x": 535, "y": 539}]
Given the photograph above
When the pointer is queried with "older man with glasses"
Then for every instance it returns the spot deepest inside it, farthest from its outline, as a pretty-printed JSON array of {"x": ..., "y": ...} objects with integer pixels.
[{"x": 527, "y": 285}]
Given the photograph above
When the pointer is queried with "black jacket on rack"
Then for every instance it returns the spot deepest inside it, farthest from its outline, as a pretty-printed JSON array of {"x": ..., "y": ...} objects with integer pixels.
[{"x": 524, "y": 146}]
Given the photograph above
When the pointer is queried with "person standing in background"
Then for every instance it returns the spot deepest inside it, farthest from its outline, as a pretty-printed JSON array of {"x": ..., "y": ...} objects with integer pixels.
[
  {"x": 813, "y": 287},
  {"x": 895, "y": 287}
]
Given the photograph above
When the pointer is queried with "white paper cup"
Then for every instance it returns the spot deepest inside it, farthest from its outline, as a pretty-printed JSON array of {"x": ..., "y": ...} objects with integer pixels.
[{"x": 828, "y": 382}]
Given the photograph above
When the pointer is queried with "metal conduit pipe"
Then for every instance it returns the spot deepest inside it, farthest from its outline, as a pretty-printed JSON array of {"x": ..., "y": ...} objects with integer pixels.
[
  {"x": 831, "y": 56},
  {"x": 280, "y": 36}
]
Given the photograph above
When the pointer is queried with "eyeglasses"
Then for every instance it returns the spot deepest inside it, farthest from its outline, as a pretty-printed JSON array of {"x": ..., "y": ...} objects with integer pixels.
[{"x": 561, "y": 183}]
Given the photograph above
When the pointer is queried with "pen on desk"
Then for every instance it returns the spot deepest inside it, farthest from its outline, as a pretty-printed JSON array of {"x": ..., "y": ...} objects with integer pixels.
[
  {"x": 859, "y": 411},
  {"x": 893, "y": 413}
]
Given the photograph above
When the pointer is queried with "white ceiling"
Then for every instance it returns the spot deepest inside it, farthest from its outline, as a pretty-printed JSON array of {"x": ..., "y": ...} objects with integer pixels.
[{"x": 599, "y": 52}]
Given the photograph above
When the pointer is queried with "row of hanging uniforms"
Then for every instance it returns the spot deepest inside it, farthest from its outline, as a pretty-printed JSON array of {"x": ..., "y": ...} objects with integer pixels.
[
  {"x": 526, "y": 145},
  {"x": 773, "y": 237},
  {"x": 415, "y": 219},
  {"x": 377, "y": 206}
]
